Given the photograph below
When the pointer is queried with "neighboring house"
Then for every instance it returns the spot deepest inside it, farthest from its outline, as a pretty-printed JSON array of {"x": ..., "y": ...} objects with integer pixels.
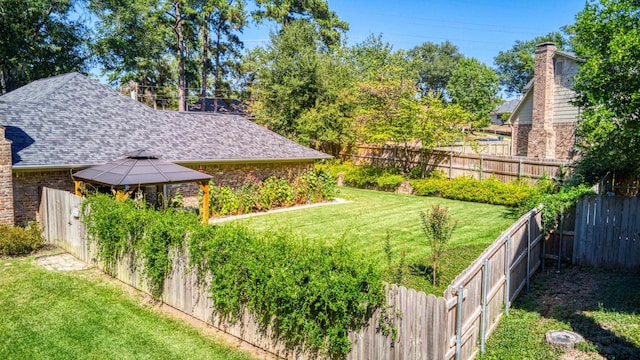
[
  {"x": 544, "y": 121},
  {"x": 52, "y": 127},
  {"x": 226, "y": 106},
  {"x": 506, "y": 107}
]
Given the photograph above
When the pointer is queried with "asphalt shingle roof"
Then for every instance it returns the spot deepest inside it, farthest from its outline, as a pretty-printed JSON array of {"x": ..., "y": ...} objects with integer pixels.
[{"x": 71, "y": 120}]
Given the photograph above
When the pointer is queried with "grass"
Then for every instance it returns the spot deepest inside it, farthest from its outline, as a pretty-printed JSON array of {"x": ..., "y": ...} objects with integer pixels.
[
  {"x": 365, "y": 223},
  {"x": 85, "y": 315},
  {"x": 601, "y": 305}
]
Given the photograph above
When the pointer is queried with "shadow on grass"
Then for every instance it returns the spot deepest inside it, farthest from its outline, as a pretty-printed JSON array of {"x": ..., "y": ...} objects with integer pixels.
[{"x": 597, "y": 304}]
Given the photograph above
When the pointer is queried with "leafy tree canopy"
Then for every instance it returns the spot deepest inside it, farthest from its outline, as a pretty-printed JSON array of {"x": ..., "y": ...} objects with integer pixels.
[
  {"x": 39, "y": 39},
  {"x": 607, "y": 40},
  {"x": 474, "y": 87},
  {"x": 515, "y": 66},
  {"x": 434, "y": 64}
]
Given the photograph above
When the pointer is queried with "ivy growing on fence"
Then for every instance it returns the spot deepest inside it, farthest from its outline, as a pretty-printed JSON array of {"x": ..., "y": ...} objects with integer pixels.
[{"x": 310, "y": 293}]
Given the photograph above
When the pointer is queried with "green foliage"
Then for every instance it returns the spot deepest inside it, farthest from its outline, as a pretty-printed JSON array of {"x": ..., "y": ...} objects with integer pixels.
[
  {"x": 607, "y": 40},
  {"x": 515, "y": 66},
  {"x": 302, "y": 91},
  {"x": 489, "y": 191},
  {"x": 20, "y": 241},
  {"x": 255, "y": 195},
  {"x": 389, "y": 182},
  {"x": 435, "y": 64},
  {"x": 120, "y": 229},
  {"x": 438, "y": 228},
  {"x": 474, "y": 86},
  {"x": 40, "y": 38},
  {"x": 555, "y": 203},
  {"x": 311, "y": 294}
]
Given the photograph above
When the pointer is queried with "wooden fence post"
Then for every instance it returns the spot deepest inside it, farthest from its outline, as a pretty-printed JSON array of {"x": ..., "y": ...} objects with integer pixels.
[
  {"x": 529, "y": 251},
  {"x": 451, "y": 165},
  {"x": 459, "y": 323},
  {"x": 485, "y": 285},
  {"x": 507, "y": 273}
]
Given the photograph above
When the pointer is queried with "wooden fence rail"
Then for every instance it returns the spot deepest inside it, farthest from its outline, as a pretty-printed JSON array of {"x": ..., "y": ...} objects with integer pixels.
[
  {"x": 455, "y": 164},
  {"x": 428, "y": 327}
]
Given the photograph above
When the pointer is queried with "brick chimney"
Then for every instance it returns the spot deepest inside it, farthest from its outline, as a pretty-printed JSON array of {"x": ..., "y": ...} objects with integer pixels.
[
  {"x": 6, "y": 180},
  {"x": 542, "y": 138}
]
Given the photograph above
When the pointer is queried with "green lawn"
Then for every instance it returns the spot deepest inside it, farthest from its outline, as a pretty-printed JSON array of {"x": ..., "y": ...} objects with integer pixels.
[
  {"x": 365, "y": 222},
  {"x": 601, "y": 305},
  {"x": 85, "y": 315}
]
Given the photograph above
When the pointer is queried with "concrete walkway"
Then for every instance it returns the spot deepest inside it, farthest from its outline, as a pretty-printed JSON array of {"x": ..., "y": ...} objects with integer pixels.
[
  {"x": 61, "y": 262},
  {"x": 292, "y": 208}
]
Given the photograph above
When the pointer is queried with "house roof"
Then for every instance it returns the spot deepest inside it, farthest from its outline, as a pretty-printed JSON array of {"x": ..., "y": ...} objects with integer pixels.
[
  {"x": 507, "y": 106},
  {"x": 71, "y": 120}
]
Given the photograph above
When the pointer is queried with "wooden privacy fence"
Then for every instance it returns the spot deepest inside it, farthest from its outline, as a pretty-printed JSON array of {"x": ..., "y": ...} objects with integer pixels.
[
  {"x": 428, "y": 327},
  {"x": 454, "y": 164},
  {"x": 607, "y": 232}
]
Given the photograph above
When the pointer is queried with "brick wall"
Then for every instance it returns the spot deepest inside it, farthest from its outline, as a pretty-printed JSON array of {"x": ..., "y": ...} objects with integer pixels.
[
  {"x": 542, "y": 139},
  {"x": 27, "y": 185},
  {"x": 27, "y": 188},
  {"x": 6, "y": 189},
  {"x": 520, "y": 139},
  {"x": 565, "y": 140},
  {"x": 235, "y": 175}
]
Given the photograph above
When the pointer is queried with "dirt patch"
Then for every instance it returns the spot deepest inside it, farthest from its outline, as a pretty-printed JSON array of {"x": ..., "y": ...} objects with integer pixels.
[{"x": 575, "y": 293}]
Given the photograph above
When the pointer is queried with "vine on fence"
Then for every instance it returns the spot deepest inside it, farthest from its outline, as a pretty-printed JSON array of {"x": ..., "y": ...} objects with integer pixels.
[{"x": 311, "y": 294}]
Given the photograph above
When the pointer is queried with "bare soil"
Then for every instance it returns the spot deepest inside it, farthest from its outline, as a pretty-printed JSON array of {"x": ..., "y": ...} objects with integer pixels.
[{"x": 569, "y": 295}]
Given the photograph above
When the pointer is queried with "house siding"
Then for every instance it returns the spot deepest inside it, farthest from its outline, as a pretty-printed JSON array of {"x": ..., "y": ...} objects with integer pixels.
[
  {"x": 564, "y": 111},
  {"x": 523, "y": 115}
]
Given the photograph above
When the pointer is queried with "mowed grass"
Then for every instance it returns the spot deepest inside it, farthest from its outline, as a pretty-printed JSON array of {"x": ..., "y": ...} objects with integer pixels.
[
  {"x": 85, "y": 315},
  {"x": 601, "y": 305},
  {"x": 365, "y": 223}
]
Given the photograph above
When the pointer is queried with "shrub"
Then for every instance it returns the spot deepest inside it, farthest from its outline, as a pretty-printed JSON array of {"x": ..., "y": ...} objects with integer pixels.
[
  {"x": 20, "y": 241},
  {"x": 490, "y": 191},
  {"x": 389, "y": 182},
  {"x": 555, "y": 203},
  {"x": 255, "y": 195},
  {"x": 437, "y": 227}
]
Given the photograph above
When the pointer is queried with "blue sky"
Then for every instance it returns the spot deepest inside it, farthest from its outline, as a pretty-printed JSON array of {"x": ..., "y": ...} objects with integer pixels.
[{"x": 480, "y": 28}]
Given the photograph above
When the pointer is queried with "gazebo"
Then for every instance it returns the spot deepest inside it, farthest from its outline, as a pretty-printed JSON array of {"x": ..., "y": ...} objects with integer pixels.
[{"x": 139, "y": 168}]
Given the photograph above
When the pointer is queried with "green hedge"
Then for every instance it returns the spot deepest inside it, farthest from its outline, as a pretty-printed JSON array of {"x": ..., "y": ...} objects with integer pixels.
[
  {"x": 489, "y": 191},
  {"x": 312, "y": 294},
  {"x": 20, "y": 241}
]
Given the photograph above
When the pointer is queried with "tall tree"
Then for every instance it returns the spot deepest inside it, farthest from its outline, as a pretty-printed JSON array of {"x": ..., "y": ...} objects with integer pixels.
[
  {"x": 223, "y": 20},
  {"x": 39, "y": 39},
  {"x": 434, "y": 64},
  {"x": 515, "y": 66},
  {"x": 284, "y": 12},
  {"x": 133, "y": 42},
  {"x": 474, "y": 86},
  {"x": 607, "y": 40},
  {"x": 295, "y": 84}
]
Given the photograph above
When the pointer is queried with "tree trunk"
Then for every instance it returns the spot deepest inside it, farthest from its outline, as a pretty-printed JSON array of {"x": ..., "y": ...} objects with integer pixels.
[
  {"x": 181, "y": 70},
  {"x": 205, "y": 61},
  {"x": 218, "y": 72}
]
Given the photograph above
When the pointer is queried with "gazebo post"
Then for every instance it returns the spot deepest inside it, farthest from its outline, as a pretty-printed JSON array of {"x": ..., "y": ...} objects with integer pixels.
[
  {"x": 204, "y": 186},
  {"x": 77, "y": 185}
]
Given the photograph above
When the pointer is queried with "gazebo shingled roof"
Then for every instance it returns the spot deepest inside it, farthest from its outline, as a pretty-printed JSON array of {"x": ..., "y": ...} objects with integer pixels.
[{"x": 139, "y": 168}]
